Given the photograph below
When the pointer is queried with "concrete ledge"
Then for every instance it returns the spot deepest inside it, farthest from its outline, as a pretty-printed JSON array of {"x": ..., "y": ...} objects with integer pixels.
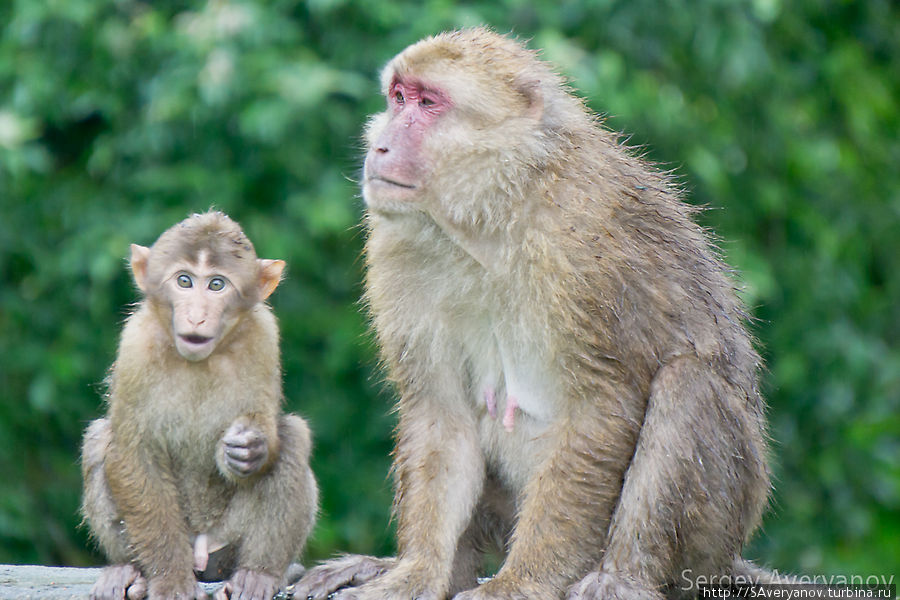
[{"x": 21, "y": 582}]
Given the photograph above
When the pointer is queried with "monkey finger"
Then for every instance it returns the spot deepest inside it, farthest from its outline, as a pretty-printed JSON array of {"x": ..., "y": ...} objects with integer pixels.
[
  {"x": 246, "y": 437},
  {"x": 244, "y": 467},
  {"x": 240, "y": 453},
  {"x": 224, "y": 592},
  {"x": 138, "y": 589},
  {"x": 115, "y": 581},
  {"x": 247, "y": 584}
]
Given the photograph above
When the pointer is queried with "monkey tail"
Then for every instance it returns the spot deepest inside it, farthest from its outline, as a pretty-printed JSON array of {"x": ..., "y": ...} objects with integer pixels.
[{"x": 748, "y": 571}]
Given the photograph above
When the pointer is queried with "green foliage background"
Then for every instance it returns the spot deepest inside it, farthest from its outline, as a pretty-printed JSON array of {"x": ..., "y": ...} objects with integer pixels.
[{"x": 120, "y": 117}]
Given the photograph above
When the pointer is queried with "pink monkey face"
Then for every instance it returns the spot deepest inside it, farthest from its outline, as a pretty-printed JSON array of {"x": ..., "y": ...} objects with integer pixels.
[{"x": 396, "y": 165}]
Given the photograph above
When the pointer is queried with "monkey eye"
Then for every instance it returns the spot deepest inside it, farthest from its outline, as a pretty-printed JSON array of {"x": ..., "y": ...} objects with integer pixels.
[
  {"x": 398, "y": 96},
  {"x": 427, "y": 102},
  {"x": 216, "y": 284},
  {"x": 184, "y": 281}
]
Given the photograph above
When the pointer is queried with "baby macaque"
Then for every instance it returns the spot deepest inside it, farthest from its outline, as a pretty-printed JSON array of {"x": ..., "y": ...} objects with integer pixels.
[{"x": 195, "y": 472}]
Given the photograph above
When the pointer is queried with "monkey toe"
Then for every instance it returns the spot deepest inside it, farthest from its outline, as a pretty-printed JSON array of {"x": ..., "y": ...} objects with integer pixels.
[{"x": 601, "y": 585}]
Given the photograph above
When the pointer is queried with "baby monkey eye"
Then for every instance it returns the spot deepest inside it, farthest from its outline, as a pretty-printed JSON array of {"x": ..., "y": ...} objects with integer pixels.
[
  {"x": 398, "y": 96},
  {"x": 184, "y": 281},
  {"x": 216, "y": 284},
  {"x": 426, "y": 101}
]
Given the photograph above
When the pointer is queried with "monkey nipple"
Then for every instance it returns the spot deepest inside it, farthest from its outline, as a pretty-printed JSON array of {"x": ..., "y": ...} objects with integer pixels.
[
  {"x": 491, "y": 401},
  {"x": 509, "y": 413}
]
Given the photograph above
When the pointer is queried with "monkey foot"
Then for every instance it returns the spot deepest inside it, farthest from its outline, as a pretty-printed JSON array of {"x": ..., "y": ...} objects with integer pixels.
[
  {"x": 119, "y": 582},
  {"x": 347, "y": 571},
  {"x": 249, "y": 585},
  {"x": 611, "y": 586}
]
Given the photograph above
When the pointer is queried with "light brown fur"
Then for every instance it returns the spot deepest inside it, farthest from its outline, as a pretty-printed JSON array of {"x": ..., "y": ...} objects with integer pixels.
[
  {"x": 160, "y": 490},
  {"x": 530, "y": 266}
]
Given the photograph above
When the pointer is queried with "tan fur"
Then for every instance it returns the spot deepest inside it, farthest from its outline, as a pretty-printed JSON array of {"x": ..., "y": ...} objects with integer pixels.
[
  {"x": 156, "y": 473},
  {"x": 540, "y": 271}
]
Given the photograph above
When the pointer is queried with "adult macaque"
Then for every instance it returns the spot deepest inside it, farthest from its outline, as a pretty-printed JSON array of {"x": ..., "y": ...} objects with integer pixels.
[
  {"x": 574, "y": 377},
  {"x": 195, "y": 468}
]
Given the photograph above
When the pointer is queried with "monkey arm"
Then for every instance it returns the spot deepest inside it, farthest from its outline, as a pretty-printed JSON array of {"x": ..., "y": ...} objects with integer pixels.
[
  {"x": 438, "y": 473},
  {"x": 438, "y": 477},
  {"x": 148, "y": 503}
]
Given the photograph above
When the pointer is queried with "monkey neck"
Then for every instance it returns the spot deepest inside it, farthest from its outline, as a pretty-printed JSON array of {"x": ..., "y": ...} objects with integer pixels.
[{"x": 486, "y": 247}]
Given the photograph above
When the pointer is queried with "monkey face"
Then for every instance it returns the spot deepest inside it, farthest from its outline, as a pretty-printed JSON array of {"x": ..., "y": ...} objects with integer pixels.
[
  {"x": 446, "y": 141},
  {"x": 204, "y": 305},
  {"x": 201, "y": 277},
  {"x": 396, "y": 164}
]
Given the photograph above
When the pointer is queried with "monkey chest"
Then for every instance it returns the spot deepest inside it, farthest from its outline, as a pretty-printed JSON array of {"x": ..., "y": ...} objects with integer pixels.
[{"x": 513, "y": 391}]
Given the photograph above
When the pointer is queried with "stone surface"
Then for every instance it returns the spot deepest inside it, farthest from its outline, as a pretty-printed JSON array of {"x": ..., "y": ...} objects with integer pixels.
[{"x": 21, "y": 582}]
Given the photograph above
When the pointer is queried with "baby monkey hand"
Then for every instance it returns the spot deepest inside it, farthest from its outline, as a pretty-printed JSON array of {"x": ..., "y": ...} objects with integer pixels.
[{"x": 243, "y": 450}]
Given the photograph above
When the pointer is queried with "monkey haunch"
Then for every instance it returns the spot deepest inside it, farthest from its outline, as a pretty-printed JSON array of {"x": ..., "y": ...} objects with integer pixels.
[
  {"x": 195, "y": 461},
  {"x": 574, "y": 378}
]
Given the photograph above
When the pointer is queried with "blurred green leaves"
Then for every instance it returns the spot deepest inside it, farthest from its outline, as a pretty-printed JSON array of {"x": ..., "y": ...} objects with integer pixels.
[{"x": 120, "y": 117}]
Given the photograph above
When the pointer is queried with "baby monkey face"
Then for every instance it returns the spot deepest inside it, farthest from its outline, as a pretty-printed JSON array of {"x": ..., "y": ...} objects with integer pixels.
[{"x": 205, "y": 306}]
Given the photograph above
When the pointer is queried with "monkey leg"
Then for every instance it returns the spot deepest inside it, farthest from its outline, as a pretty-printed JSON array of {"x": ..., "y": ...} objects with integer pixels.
[
  {"x": 97, "y": 506},
  {"x": 438, "y": 478},
  {"x": 565, "y": 508},
  {"x": 489, "y": 529},
  {"x": 693, "y": 492},
  {"x": 271, "y": 517},
  {"x": 122, "y": 579}
]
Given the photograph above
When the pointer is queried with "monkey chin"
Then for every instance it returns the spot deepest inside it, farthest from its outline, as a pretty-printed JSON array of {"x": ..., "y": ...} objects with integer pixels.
[{"x": 195, "y": 348}]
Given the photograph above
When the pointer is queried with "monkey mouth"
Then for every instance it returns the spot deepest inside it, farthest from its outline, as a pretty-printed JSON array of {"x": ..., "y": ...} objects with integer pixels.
[
  {"x": 193, "y": 338},
  {"x": 405, "y": 186}
]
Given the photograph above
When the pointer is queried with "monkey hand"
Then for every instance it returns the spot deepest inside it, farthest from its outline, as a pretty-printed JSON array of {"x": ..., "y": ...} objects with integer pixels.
[
  {"x": 347, "y": 571},
  {"x": 119, "y": 582},
  {"x": 247, "y": 584},
  {"x": 243, "y": 450}
]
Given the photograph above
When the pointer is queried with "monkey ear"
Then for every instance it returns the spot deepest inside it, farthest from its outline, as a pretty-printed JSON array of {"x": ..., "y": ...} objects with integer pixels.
[
  {"x": 139, "y": 257},
  {"x": 269, "y": 276},
  {"x": 534, "y": 97}
]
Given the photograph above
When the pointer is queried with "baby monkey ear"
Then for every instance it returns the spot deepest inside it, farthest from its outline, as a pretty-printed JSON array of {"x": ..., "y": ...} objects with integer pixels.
[
  {"x": 140, "y": 255},
  {"x": 269, "y": 276}
]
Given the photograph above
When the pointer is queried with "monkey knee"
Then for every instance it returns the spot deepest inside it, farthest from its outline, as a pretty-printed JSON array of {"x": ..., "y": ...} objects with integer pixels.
[
  {"x": 603, "y": 585},
  {"x": 98, "y": 507},
  {"x": 95, "y": 444},
  {"x": 295, "y": 437}
]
